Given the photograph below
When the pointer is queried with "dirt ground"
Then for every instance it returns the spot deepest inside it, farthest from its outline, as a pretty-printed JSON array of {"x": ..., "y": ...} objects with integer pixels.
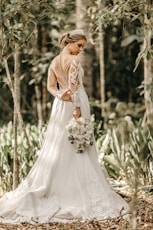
[{"x": 143, "y": 220}]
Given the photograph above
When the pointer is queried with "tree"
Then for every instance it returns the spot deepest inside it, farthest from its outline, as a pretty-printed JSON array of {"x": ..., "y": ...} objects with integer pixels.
[
  {"x": 132, "y": 10},
  {"x": 18, "y": 23},
  {"x": 148, "y": 62},
  {"x": 83, "y": 22}
]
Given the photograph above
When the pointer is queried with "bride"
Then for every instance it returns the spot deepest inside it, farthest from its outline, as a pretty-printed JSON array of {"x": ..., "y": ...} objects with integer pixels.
[{"x": 64, "y": 185}]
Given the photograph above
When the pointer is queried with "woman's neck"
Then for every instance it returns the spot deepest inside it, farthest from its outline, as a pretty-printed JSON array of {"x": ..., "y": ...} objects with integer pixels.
[{"x": 66, "y": 51}]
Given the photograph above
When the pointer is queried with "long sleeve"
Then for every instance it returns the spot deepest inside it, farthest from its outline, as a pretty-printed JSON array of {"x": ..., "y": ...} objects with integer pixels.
[
  {"x": 52, "y": 83},
  {"x": 74, "y": 82}
]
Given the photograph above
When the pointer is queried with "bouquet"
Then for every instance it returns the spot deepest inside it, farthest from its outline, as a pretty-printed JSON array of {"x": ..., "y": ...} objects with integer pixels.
[{"x": 80, "y": 133}]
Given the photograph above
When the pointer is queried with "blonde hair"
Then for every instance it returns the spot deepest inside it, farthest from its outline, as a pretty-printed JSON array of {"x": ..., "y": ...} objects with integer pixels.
[{"x": 72, "y": 36}]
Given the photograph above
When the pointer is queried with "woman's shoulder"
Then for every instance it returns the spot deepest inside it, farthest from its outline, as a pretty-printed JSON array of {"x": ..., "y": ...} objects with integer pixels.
[
  {"x": 73, "y": 59},
  {"x": 55, "y": 59},
  {"x": 67, "y": 61},
  {"x": 54, "y": 62}
]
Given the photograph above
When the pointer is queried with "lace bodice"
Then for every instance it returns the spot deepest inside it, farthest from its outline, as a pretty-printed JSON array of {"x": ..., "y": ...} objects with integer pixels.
[{"x": 68, "y": 74}]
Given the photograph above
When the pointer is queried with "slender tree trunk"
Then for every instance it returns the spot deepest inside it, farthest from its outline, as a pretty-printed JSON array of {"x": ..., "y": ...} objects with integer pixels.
[
  {"x": 39, "y": 107},
  {"x": 102, "y": 71},
  {"x": 11, "y": 87},
  {"x": 148, "y": 86},
  {"x": 15, "y": 157},
  {"x": 44, "y": 82},
  {"x": 16, "y": 105},
  {"x": 82, "y": 22},
  {"x": 148, "y": 69},
  {"x": 36, "y": 46},
  {"x": 44, "y": 98}
]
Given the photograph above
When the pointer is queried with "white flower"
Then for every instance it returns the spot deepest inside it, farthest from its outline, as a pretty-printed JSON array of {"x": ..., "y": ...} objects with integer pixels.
[{"x": 80, "y": 133}]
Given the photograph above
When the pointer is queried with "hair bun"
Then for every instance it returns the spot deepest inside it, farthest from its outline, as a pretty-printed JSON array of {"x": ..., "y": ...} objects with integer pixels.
[
  {"x": 68, "y": 34},
  {"x": 72, "y": 36},
  {"x": 77, "y": 31}
]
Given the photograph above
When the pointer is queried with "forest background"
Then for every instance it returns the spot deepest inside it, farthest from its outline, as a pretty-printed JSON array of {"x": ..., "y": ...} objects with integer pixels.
[{"x": 118, "y": 68}]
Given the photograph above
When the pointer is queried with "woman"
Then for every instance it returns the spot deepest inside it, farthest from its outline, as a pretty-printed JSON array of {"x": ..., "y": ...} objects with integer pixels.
[{"x": 63, "y": 185}]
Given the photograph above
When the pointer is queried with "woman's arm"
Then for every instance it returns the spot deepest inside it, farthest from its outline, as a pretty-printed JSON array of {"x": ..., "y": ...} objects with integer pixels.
[{"x": 52, "y": 83}]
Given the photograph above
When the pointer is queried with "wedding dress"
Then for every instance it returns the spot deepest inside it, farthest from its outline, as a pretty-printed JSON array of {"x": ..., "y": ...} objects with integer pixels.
[{"x": 63, "y": 185}]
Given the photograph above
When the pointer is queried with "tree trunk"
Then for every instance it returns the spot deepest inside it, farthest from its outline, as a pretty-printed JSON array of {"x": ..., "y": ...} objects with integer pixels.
[
  {"x": 102, "y": 71},
  {"x": 44, "y": 82},
  {"x": 16, "y": 105},
  {"x": 39, "y": 107},
  {"x": 148, "y": 70},
  {"x": 148, "y": 86},
  {"x": 38, "y": 38},
  {"x": 11, "y": 87},
  {"x": 82, "y": 22}
]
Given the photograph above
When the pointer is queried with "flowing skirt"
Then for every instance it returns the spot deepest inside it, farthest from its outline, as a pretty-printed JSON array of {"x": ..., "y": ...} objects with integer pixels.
[{"x": 63, "y": 185}]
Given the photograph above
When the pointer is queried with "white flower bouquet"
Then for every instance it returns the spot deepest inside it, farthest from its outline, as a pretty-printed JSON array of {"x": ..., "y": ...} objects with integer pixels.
[{"x": 80, "y": 133}]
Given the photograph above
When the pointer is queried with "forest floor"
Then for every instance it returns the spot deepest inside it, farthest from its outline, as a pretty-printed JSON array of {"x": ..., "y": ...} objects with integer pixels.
[{"x": 143, "y": 219}]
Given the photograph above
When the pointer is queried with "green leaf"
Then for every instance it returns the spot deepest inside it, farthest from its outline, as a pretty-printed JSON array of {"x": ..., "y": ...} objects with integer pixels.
[
  {"x": 110, "y": 159},
  {"x": 127, "y": 41},
  {"x": 17, "y": 17},
  {"x": 148, "y": 55}
]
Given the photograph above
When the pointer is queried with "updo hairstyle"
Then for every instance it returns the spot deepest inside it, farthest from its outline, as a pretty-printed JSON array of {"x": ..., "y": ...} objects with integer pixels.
[{"x": 72, "y": 36}]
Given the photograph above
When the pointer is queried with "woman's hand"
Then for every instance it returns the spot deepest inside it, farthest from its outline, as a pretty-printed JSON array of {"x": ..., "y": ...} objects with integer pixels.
[
  {"x": 66, "y": 96},
  {"x": 77, "y": 113}
]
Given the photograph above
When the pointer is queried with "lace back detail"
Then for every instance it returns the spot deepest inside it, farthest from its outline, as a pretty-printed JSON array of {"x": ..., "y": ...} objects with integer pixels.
[{"x": 74, "y": 76}]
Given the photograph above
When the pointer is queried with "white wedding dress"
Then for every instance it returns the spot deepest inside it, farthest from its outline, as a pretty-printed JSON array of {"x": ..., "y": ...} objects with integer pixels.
[{"x": 63, "y": 185}]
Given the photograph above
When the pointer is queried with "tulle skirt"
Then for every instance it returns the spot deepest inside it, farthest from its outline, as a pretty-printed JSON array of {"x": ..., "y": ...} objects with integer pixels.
[{"x": 63, "y": 185}]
